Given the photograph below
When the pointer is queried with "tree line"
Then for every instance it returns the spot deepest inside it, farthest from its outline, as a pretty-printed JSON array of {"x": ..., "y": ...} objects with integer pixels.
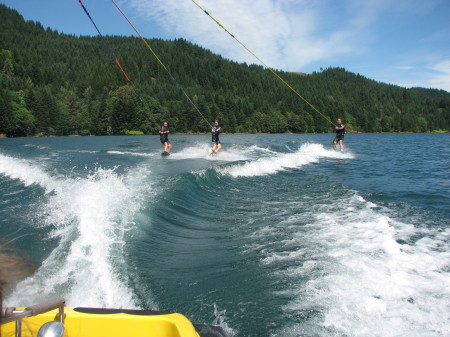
[{"x": 59, "y": 84}]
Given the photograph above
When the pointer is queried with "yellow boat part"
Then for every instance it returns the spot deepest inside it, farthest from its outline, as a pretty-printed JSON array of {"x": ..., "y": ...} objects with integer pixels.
[{"x": 108, "y": 323}]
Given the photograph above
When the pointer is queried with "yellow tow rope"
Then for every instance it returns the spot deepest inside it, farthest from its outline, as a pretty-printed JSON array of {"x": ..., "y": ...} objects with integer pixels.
[{"x": 261, "y": 61}]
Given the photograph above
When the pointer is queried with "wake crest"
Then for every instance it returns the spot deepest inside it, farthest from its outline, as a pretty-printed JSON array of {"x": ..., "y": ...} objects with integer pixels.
[{"x": 306, "y": 154}]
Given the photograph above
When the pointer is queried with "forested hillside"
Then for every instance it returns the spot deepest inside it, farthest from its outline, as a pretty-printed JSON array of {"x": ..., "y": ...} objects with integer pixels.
[{"x": 56, "y": 84}]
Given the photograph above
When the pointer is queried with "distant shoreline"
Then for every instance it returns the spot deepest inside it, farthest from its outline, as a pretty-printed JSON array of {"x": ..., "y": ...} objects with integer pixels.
[{"x": 240, "y": 133}]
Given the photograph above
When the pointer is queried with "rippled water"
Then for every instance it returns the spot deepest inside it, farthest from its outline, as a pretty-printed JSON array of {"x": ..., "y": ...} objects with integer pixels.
[{"x": 277, "y": 235}]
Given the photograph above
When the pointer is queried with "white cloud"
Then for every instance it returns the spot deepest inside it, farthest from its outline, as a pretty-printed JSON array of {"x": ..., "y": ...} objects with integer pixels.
[
  {"x": 284, "y": 34},
  {"x": 430, "y": 75},
  {"x": 441, "y": 78},
  {"x": 404, "y": 67}
]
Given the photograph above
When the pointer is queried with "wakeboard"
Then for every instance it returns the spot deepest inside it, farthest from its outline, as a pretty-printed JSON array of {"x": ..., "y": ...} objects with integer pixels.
[{"x": 165, "y": 154}]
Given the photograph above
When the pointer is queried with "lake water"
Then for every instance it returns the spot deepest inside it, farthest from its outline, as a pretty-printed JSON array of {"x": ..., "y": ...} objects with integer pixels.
[{"x": 278, "y": 235}]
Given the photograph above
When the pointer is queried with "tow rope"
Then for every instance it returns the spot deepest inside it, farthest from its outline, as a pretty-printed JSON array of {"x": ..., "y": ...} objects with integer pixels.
[
  {"x": 116, "y": 60},
  {"x": 263, "y": 63}
]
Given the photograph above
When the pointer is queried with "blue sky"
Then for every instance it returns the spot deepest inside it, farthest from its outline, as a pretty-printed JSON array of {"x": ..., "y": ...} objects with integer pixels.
[{"x": 403, "y": 42}]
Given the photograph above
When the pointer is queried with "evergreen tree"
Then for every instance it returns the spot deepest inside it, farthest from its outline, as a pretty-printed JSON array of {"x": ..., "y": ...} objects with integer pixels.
[{"x": 7, "y": 119}]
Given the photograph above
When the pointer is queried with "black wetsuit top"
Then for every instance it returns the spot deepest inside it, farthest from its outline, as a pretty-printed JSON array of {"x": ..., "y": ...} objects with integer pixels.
[
  {"x": 340, "y": 132},
  {"x": 164, "y": 137},
  {"x": 215, "y": 134}
]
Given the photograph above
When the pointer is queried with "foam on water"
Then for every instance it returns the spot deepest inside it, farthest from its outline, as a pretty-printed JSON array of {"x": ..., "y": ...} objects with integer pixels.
[
  {"x": 220, "y": 319},
  {"x": 26, "y": 172},
  {"x": 128, "y": 153},
  {"x": 203, "y": 151},
  {"x": 349, "y": 275},
  {"x": 256, "y": 148},
  {"x": 36, "y": 146},
  {"x": 89, "y": 216},
  {"x": 307, "y": 154}
]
